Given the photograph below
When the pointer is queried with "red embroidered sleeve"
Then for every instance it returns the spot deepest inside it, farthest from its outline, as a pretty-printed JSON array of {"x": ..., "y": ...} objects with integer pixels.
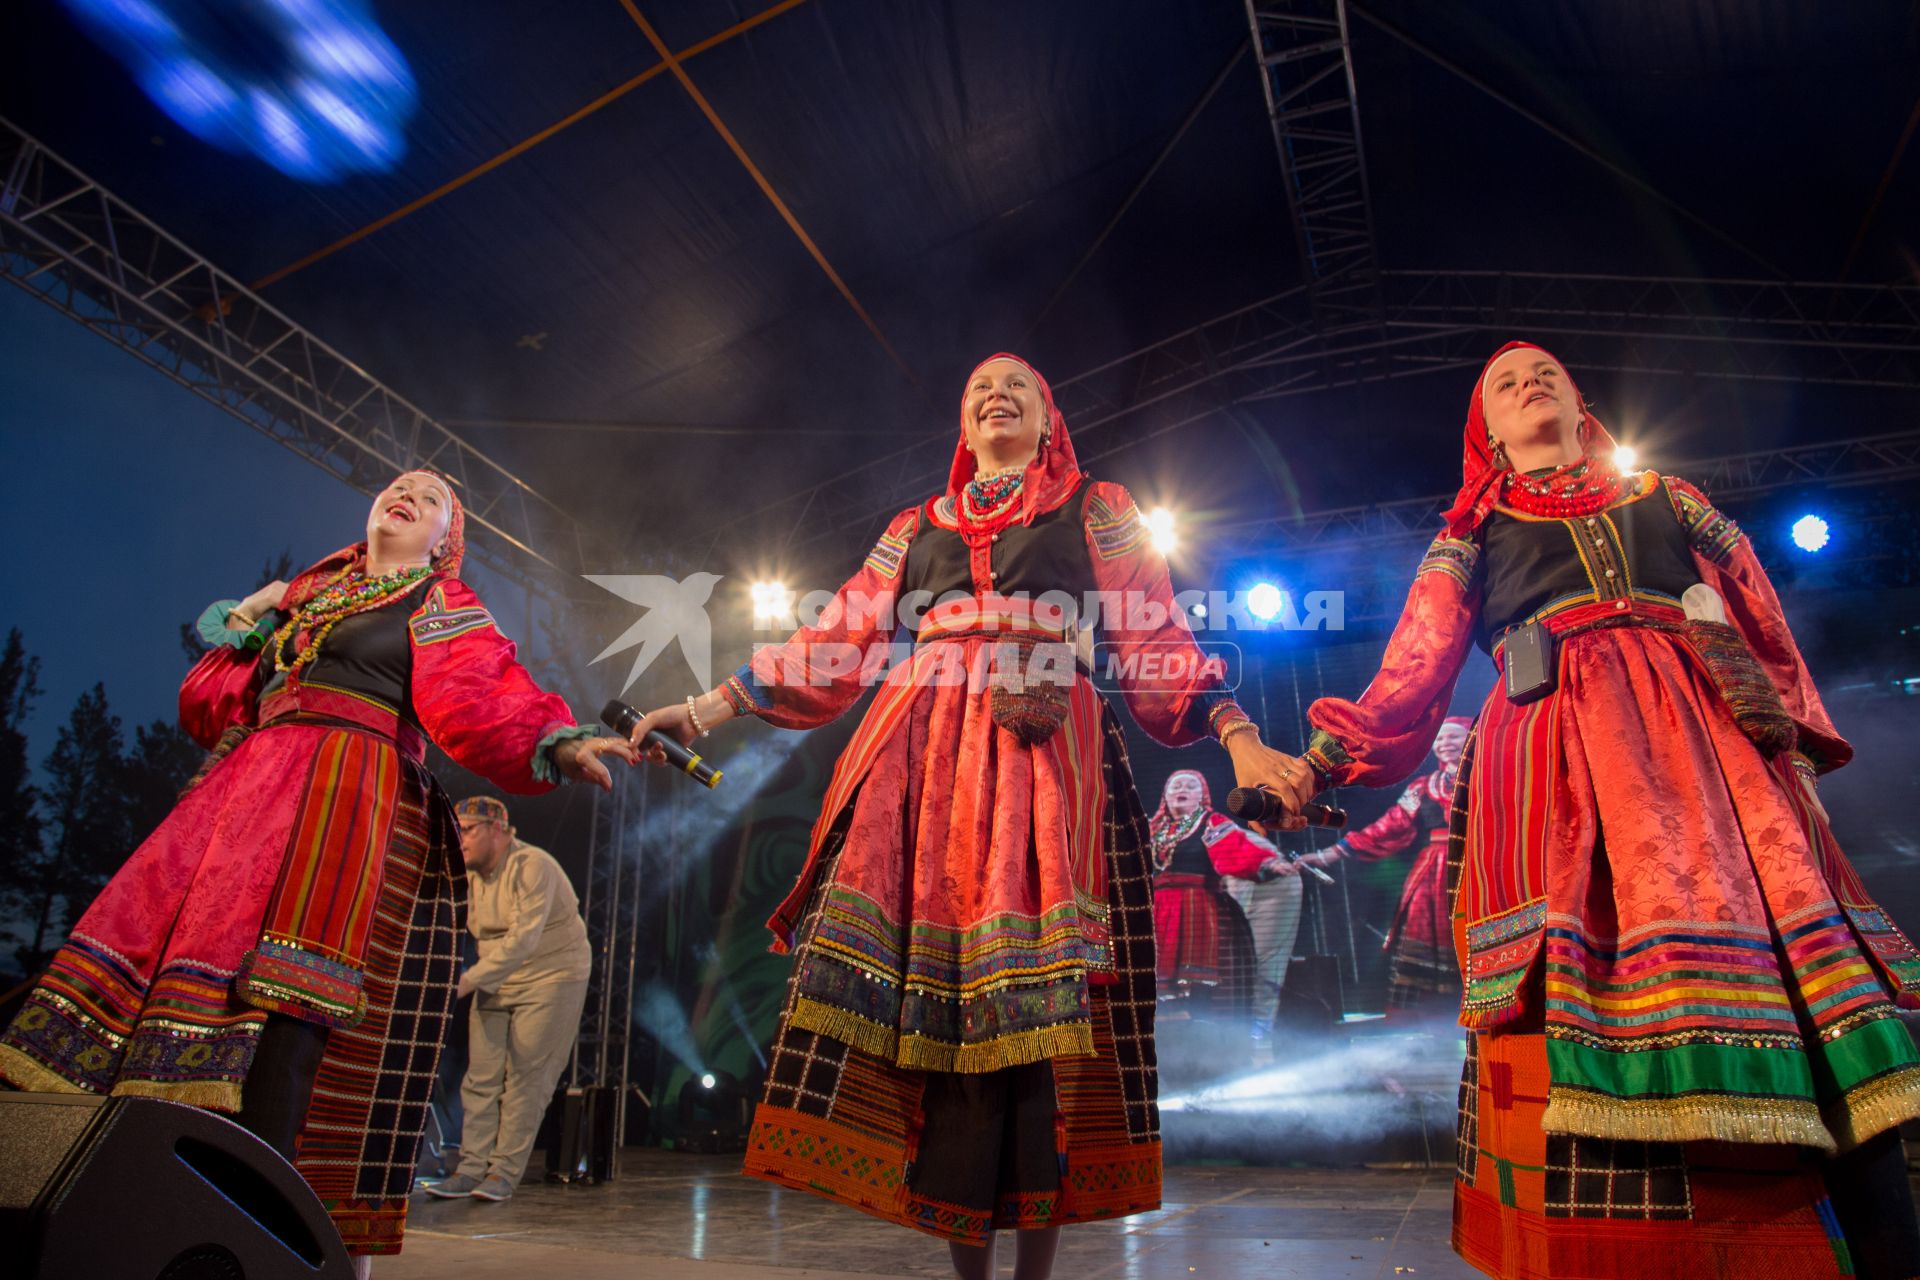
[
  {"x": 1389, "y": 833},
  {"x": 1380, "y": 739},
  {"x": 1167, "y": 682},
  {"x": 1235, "y": 851},
  {"x": 1727, "y": 564},
  {"x": 822, "y": 669},
  {"x": 474, "y": 699}
]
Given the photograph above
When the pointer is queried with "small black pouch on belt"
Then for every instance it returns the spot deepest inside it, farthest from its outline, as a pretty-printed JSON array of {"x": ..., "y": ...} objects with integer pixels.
[{"x": 1529, "y": 668}]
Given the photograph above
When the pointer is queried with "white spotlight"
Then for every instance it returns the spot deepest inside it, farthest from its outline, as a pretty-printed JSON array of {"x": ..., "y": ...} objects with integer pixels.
[
  {"x": 1626, "y": 457},
  {"x": 771, "y": 602},
  {"x": 707, "y": 1081},
  {"x": 1265, "y": 601},
  {"x": 1810, "y": 533},
  {"x": 1160, "y": 525}
]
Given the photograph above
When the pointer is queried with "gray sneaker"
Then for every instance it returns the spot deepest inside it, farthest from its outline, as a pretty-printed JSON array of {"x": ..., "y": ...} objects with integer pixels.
[
  {"x": 460, "y": 1184},
  {"x": 496, "y": 1187}
]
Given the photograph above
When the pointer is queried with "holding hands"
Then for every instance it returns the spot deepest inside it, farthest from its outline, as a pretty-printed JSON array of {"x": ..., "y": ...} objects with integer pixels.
[{"x": 1288, "y": 777}]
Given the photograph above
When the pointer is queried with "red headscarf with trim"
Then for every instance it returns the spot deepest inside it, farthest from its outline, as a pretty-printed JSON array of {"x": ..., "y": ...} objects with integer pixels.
[
  {"x": 1051, "y": 476},
  {"x": 308, "y": 583},
  {"x": 1485, "y": 484}
]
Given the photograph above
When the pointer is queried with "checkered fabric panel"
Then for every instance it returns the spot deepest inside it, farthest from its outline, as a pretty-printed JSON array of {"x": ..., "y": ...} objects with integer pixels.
[
  {"x": 362, "y": 1134},
  {"x": 1607, "y": 1178},
  {"x": 1133, "y": 999},
  {"x": 803, "y": 1069},
  {"x": 1467, "y": 1132}
]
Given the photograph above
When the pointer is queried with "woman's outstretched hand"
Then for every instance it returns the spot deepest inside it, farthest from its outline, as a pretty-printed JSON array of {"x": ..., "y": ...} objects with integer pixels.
[
  {"x": 675, "y": 721},
  {"x": 579, "y": 759},
  {"x": 1257, "y": 765}
]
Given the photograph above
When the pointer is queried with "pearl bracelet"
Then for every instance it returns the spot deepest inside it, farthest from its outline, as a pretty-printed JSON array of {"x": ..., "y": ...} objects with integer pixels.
[
  {"x": 694, "y": 716},
  {"x": 1238, "y": 726}
]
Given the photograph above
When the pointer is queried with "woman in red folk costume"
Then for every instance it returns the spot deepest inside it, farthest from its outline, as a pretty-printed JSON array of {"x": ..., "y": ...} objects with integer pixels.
[
  {"x": 1423, "y": 977},
  {"x": 1204, "y": 949},
  {"x": 967, "y": 1042},
  {"x": 294, "y": 922},
  {"x": 1683, "y": 1053}
]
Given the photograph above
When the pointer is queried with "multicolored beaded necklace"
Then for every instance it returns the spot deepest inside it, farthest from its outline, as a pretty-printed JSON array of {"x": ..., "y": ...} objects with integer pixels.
[
  {"x": 987, "y": 493},
  {"x": 1166, "y": 840},
  {"x": 989, "y": 503},
  {"x": 348, "y": 593}
]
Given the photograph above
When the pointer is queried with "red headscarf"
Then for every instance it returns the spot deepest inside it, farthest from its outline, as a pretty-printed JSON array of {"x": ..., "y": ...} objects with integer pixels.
[
  {"x": 1053, "y": 474},
  {"x": 1485, "y": 483},
  {"x": 304, "y": 587}
]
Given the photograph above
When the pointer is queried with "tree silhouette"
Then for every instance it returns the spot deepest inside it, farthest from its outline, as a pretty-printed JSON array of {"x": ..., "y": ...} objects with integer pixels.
[
  {"x": 87, "y": 818},
  {"x": 19, "y": 800}
]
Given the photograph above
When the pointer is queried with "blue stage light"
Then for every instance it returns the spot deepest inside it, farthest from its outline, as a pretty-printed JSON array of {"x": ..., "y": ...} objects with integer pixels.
[
  {"x": 313, "y": 87},
  {"x": 707, "y": 1081},
  {"x": 1810, "y": 533},
  {"x": 1265, "y": 601}
]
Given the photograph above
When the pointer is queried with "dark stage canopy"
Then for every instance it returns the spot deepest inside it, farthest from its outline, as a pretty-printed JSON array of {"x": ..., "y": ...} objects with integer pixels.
[{"x": 667, "y": 291}]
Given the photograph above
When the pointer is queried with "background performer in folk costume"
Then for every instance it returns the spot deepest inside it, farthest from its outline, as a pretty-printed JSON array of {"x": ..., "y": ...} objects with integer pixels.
[
  {"x": 1207, "y": 947},
  {"x": 299, "y": 909},
  {"x": 967, "y": 1042},
  {"x": 1423, "y": 976},
  {"x": 1684, "y": 1058}
]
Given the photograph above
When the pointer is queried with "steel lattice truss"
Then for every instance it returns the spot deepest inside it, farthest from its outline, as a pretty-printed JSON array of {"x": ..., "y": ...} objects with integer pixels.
[
  {"x": 1369, "y": 552},
  {"x": 612, "y": 911},
  {"x": 1306, "y": 72},
  {"x": 89, "y": 255},
  {"x": 1844, "y": 334},
  {"x": 1880, "y": 459}
]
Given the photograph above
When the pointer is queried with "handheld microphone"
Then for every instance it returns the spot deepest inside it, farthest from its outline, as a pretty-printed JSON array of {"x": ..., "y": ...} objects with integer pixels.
[
  {"x": 256, "y": 639},
  {"x": 1251, "y": 804},
  {"x": 621, "y": 718}
]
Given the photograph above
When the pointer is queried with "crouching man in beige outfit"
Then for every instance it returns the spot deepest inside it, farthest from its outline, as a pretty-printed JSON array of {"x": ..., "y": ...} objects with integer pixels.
[{"x": 528, "y": 989}]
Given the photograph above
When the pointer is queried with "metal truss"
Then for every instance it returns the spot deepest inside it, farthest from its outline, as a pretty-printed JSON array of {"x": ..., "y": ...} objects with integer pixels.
[
  {"x": 90, "y": 256},
  {"x": 1306, "y": 72},
  {"x": 611, "y": 906},
  {"x": 1840, "y": 334},
  {"x": 1879, "y": 459},
  {"x": 1369, "y": 552}
]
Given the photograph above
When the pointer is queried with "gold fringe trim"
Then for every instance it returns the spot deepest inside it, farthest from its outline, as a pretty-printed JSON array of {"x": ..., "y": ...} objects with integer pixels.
[
  {"x": 1875, "y": 1107},
  {"x": 1763, "y": 1121},
  {"x": 209, "y": 1095},
  {"x": 31, "y": 1076},
  {"x": 923, "y": 1053}
]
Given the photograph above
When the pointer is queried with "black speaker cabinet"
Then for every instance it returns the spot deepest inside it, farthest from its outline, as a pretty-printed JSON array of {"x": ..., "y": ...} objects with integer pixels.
[
  {"x": 584, "y": 1145},
  {"x": 1310, "y": 999},
  {"x": 133, "y": 1189}
]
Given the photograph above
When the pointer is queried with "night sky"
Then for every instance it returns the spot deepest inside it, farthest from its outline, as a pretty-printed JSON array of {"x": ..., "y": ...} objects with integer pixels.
[{"x": 131, "y": 504}]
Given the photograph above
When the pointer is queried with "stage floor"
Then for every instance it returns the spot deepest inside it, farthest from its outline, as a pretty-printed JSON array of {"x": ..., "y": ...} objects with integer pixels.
[{"x": 671, "y": 1214}]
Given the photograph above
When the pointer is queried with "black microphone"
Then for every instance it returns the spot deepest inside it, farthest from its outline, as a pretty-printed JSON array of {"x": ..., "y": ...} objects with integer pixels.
[
  {"x": 621, "y": 718},
  {"x": 1251, "y": 804}
]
